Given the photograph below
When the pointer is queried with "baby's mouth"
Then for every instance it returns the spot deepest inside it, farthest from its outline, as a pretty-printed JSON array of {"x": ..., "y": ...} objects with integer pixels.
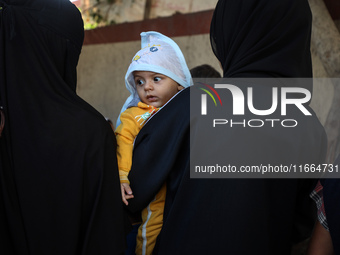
[{"x": 151, "y": 98}]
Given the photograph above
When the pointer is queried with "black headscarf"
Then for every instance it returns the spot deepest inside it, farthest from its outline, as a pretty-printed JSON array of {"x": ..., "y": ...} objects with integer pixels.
[
  {"x": 59, "y": 184},
  {"x": 261, "y": 38}
]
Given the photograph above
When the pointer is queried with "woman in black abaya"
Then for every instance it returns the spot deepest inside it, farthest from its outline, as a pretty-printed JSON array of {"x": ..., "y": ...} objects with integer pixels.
[
  {"x": 252, "y": 39},
  {"x": 59, "y": 185}
]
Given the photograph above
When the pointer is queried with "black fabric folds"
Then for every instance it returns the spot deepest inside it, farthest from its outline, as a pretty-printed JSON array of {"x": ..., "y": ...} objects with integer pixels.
[
  {"x": 261, "y": 38},
  {"x": 224, "y": 216},
  {"x": 59, "y": 184}
]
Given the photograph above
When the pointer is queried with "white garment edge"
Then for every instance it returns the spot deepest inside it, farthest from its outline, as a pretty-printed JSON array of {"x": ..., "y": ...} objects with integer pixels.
[{"x": 145, "y": 241}]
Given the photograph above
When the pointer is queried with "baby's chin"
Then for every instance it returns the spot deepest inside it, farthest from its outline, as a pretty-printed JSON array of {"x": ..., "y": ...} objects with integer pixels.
[{"x": 155, "y": 105}]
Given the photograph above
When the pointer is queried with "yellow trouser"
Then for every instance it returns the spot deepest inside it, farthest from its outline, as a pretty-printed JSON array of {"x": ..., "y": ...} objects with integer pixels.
[{"x": 152, "y": 221}]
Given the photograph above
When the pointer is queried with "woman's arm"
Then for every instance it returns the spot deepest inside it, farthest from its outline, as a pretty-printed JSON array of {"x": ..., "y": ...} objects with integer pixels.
[{"x": 321, "y": 242}]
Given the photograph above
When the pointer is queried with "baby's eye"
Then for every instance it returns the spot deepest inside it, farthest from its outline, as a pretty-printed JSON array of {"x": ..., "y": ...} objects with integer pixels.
[
  {"x": 139, "y": 82},
  {"x": 157, "y": 78}
]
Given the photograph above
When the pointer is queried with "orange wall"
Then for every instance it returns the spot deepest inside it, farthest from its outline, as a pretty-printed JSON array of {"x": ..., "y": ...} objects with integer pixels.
[{"x": 173, "y": 26}]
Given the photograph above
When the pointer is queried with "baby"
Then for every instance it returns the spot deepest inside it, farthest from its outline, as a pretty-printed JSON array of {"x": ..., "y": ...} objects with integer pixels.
[{"x": 157, "y": 73}]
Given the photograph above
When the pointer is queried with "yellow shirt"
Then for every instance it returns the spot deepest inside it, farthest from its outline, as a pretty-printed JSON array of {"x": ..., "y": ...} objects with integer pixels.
[{"x": 132, "y": 120}]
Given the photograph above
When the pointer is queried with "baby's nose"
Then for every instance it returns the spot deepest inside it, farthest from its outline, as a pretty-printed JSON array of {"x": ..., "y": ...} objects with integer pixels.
[{"x": 148, "y": 85}]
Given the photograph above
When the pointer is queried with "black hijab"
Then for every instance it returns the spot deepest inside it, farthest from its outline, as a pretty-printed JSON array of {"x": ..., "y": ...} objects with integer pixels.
[
  {"x": 59, "y": 184},
  {"x": 261, "y": 38}
]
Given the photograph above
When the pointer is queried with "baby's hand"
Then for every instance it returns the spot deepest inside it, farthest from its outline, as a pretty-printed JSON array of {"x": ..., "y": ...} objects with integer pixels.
[{"x": 126, "y": 192}]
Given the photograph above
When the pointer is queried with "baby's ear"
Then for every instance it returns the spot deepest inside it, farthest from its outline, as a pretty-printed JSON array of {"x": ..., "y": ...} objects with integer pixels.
[{"x": 180, "y": 87}]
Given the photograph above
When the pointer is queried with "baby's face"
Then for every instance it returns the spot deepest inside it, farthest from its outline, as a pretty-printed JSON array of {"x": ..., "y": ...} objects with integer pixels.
[{"x": 155, "y": 89}]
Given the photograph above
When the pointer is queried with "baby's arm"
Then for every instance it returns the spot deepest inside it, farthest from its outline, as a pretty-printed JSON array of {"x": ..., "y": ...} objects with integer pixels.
[
  {"x": 125, "y": 135},
  {"x": 126, "y": 192},
  {"x": 125, "y": 186}
]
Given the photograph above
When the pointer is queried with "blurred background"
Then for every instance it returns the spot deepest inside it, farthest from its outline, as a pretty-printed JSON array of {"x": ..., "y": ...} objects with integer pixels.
[{"x": 112, "y": 38}]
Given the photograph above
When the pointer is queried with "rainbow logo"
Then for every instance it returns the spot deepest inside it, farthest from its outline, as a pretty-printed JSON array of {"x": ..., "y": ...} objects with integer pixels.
[
  {"x": 209, "y": 93},
  {"x": 204, "y": 97}
]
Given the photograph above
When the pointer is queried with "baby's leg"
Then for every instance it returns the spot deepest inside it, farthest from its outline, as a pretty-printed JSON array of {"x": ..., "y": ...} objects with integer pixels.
[{"x": 152, "y": 222}]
